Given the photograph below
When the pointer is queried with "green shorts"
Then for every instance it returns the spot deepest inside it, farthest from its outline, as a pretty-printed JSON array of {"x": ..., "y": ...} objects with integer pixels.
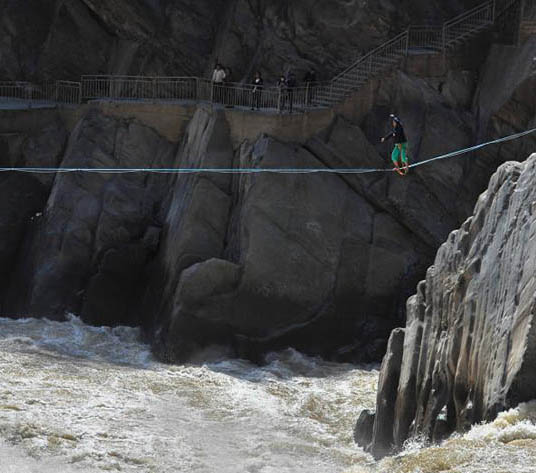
[{"x": 400, "y": 149}]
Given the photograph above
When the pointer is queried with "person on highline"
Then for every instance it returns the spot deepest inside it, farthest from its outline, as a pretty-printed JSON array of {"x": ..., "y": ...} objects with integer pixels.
[{"x": 399, "y": 156}]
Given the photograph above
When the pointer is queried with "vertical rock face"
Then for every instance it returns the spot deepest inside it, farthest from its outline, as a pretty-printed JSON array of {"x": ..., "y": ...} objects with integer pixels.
[
  {"x": 262, "y": 261},
  {"x": 194, "y": 232},
  {"x": 469, "y": 346},
  {"x": 86, "y": 251},
  {"x": 23, "y": 198},
  {"x": 184, "y": 37}
]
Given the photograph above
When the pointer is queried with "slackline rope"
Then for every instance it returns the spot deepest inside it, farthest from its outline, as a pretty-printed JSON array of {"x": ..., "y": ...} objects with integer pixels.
[{"x": 41, "y": 170}]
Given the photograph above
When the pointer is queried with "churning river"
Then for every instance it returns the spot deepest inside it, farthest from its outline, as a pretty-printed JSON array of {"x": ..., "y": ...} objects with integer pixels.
[{"x": 75, "y": 398}]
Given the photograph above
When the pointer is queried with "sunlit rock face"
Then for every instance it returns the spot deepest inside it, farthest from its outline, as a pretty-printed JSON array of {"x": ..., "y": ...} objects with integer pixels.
[{"x": 469, "y": 347}]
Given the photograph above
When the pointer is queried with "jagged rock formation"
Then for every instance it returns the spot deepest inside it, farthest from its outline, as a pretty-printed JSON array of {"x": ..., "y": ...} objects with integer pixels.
[
  {"x": 67, "y": 38},
  {"x": 469, "y": 347}
]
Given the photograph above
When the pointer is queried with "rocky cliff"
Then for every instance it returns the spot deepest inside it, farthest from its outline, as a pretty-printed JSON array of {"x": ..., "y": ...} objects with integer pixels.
[
  {"x": 62, "y": 39},
  {"x": 323, "y": 263},
  {"x": 468, "y": 349}
]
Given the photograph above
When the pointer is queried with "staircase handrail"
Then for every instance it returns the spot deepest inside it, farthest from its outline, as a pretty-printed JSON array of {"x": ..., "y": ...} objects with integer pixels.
[
  {"x": 371, "y": 53},
  {"x": 500, "y": 6},
  {"x": 468, "y": 14}
]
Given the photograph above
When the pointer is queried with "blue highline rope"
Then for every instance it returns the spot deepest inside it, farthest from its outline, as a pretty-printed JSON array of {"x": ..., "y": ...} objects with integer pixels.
[{"x": 40, "y": 170}]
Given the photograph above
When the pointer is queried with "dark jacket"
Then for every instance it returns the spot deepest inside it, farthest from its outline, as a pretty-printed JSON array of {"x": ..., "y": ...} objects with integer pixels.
[
  {"x": 310, "y": 77},
  {"x": 291, "y": 81},
  {"x": 258, "y": 84},
  {"x": 397, "y": 133}
]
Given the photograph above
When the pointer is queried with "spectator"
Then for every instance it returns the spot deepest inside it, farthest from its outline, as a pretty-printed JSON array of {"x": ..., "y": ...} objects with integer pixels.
[
  {"x": 310, "y": 84},
  {"x": 218, "y": 77},
  {"x": 291, "y": 85},
  {"x": 230, "y": 91},
  {"x": 282, "y": 86},
  {"x": 256, "y": 94}
]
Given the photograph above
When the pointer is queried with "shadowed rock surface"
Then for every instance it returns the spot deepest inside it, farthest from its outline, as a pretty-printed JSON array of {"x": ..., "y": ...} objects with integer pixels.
[
  {"x": 469, "y": 347},
  {"x": 322, "y": 263},
  {"x": 84, "y": 253},
  {"x": 63, "y": 39}
]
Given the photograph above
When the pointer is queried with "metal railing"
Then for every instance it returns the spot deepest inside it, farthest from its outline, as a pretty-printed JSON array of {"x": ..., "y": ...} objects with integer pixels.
[
  {"x": 429, "y": 39},
  {"x": 49, "y": 92},
  {"x": 432, "y": 39},
  {"x": 68, "y": 92},
  {"x": 528, "y": 11},
  {"x": 140, "y": 87},
  {"x": 456, "y": 30},
  {"x": 200, "y": 90}
]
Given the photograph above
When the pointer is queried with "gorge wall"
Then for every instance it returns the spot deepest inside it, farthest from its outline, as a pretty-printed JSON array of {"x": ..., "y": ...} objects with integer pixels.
[
  {"x": 468, "y": 349},
  {"x": 63, "y": 39},
  {"x": 323, "y": 263}
]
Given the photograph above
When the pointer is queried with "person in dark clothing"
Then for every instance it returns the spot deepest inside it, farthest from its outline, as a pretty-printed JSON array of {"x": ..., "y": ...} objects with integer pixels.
[
  {"x": 282, "y": 86},
  {"x": 230, "y": 92},
  {"x": 258, "y": 84},
  {"x": 291, "y": 85},
  {"x": 399, "y": 156},
  {"x": 310, "y": 83}
]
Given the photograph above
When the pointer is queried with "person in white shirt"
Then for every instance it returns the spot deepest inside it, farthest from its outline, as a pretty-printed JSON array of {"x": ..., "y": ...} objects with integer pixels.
[
  {"x": 218, "y": 75},
  {"x": 218, "y": 78}
]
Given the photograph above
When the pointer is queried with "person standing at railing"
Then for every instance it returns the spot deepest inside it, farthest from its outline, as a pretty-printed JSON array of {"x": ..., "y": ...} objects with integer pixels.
[
  {"x": 290, "y": 86},
  {"x": 282, "y": 87},
  {"x": 218, "y": 77},
  {"x": 399, "y": 156},
  {"x": 230, "y": 91},
  {"x": 310, "y": 83},
  {"x": 256, "y": 93}
]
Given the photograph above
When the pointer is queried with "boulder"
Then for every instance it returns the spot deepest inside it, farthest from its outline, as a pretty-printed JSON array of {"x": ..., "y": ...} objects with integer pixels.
[{"x": 364, "y": 428}]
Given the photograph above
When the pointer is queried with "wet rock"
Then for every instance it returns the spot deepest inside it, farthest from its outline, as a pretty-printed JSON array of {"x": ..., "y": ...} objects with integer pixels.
[
  {"x": 382, "y": 437},
  {"x": 469, "y": 349},
  {"x": 363, "y": 428}
]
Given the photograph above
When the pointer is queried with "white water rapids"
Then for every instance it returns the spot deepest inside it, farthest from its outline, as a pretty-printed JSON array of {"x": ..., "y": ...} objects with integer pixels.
[{"x": 75, "y": 398}]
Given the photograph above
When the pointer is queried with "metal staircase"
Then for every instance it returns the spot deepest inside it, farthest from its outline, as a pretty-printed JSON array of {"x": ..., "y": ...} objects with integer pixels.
[{"x": 416, "y": 39}]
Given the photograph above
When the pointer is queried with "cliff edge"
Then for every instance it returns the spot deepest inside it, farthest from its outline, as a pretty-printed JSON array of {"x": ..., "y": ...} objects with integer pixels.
[{"x": 468, "y": 350}]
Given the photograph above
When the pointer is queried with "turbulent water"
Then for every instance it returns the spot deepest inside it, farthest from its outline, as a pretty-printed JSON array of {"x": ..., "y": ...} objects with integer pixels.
[
  {"x": 93, "y": 399},
  {"x": 75, "y": 398}
]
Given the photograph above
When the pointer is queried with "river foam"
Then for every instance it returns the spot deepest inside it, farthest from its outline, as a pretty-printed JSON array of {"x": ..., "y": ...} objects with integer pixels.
[
  {"x": 95, "y": 399},
  {"x": 75, "y": 398},
  {"x": 506, "y": 445}
]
